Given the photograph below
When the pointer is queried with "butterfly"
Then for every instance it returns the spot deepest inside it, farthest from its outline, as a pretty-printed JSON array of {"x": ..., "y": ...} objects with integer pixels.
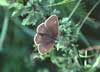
[{"x": 46, "y": 35}]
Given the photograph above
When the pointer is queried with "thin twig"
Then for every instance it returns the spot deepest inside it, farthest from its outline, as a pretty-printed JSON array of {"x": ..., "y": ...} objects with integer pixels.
[
  {"x": 75, "y": 8},
  {"x": 92, "y": 9}
]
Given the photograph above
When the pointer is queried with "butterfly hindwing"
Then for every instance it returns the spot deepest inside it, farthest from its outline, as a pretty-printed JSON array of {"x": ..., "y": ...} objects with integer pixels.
[{"x": 44, "y": 47}]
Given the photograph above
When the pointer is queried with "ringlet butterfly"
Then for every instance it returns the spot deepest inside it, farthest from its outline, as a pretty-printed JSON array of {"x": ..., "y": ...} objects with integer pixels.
[{"x": 46, "y": 34}]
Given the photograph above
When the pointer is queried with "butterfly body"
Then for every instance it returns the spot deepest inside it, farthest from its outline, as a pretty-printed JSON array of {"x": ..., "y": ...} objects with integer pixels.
[{"x": 46, "y": 34}]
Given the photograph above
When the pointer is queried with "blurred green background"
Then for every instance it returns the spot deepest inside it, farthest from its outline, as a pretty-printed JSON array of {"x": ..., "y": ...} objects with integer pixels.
[{"x": 77, "y": 48}]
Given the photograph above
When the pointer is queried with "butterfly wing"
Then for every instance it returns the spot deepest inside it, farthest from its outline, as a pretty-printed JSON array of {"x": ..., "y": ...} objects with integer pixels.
[
  {"x": 40, "y": 29},
  {"x": 42, "y": 40},
  {"x": 37, "y": 39},
  {"x": 45, "y": 48},
  {"x": 52, "y": 25}
]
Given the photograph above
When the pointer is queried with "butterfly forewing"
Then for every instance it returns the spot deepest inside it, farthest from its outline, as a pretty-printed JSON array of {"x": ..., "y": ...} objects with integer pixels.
[
  {"x": 52, "y": 25},
  {"x": 41, "y": 28}
]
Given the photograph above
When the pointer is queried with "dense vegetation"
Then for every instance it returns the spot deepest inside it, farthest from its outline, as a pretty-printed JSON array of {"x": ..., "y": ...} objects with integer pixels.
[{"x": 77, "y": 48}]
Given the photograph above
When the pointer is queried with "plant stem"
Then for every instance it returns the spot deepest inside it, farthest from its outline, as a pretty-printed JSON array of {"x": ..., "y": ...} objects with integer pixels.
[
  {"x": 73, "y": 11},
  {"x": 92, "y": 9},
  {"x": 4, "y": 30}
]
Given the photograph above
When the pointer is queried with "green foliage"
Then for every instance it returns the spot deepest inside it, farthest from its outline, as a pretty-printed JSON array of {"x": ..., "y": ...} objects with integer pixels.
[
  {"x": 74, "y": 48},
  {"x": 3, "y": 3}
]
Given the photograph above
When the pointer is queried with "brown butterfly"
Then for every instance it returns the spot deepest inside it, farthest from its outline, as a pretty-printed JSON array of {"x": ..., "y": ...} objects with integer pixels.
[{"x": 46, "y": 34}]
